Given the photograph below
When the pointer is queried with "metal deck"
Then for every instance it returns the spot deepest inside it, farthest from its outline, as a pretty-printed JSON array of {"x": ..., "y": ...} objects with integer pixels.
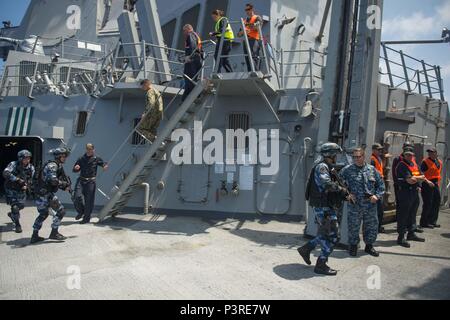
[{"x": 179, "y": 257}]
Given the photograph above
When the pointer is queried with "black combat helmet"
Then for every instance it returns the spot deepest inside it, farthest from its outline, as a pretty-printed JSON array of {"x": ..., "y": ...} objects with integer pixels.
[
  {"x": 24, "y": 154},
  {"x": 60, "y": 152},
  {"x": 328, "y": 150}
]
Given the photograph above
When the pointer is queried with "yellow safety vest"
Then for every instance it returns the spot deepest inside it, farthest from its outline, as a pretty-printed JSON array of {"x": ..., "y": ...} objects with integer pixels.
[{"x": 229, "y": 35}]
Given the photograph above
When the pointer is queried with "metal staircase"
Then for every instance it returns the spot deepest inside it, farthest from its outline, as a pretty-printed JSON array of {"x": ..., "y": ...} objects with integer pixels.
[{"x": 154, "y": 154}]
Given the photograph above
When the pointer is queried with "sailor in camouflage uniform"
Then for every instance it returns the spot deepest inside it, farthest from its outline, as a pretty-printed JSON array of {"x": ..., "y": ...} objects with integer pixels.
[
  {"x": 153, "y": 111},
  {"x": 367, "y": 188},
  {"x": 50, "y": 180},
  {"x": 326, "y": 196},
  {"x": 18, "y": 176}
]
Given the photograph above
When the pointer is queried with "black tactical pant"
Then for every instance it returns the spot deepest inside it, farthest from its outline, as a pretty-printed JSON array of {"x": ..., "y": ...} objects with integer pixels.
[
  {"x": 380, "y": 210},
  {"x": 84, "y": 198},
  {"x": 255, "y": 47},
  {"x": 431, "y": 202},
  {"x": 408, "y": 203},
  {"x": 192, "y": 70}
]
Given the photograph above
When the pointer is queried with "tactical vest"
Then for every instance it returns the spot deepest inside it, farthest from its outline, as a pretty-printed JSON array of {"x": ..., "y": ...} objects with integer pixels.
[
  {"x": 316, "y": 198},
  {"x": 251, "y": 29},
  {"x": 21, "y": 173},
  {"x": 433, "y": 172},
  {"x": 40, "y": 185},
  {"x": 228, "y": 35}
]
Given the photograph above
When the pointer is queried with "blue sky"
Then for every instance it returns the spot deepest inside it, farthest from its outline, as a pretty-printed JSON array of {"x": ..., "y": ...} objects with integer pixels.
[{"x": 403, "y": 19}]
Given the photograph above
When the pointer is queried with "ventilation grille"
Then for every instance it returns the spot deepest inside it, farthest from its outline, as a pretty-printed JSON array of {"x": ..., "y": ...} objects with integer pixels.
[
  {"x": 238, "y": 121},
  {"x": 81, "y": 123}
]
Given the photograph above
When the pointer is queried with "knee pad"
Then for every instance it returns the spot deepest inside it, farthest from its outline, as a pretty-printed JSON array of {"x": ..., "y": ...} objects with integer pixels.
[
  {"x": 15, "y": 209},
  {"x": 43, "y": 213},
  {"x": 61, "y": 213}
]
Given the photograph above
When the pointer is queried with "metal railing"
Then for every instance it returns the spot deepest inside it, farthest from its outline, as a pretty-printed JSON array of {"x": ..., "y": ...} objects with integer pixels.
[
  {"x": 248, "y": 56},
  {"x": 302, "y": 68},
  {"x": 411, "y": 74},
  {"x": 60, "y": 78}
]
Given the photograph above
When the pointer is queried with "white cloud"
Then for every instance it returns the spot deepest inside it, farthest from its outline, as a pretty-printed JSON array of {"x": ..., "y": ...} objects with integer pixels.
[
  {"x": 444, "y": 13},
  {"x": 411, "y": 27},
  {"x": 418, "y": 25}
]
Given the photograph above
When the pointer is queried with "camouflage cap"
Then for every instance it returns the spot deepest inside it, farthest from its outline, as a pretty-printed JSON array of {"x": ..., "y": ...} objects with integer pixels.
[{"x": 377, "y": 146}]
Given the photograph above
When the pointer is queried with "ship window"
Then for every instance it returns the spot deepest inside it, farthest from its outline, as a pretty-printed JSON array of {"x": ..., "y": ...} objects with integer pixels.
[
  {"x": 191, "y": 17},
  {"x": 137, "y": 139},
  {"x": 168, "y": 31},
  {"x": 238, "y": 121},
  {"x": 208, "y": 25},
  {"x": 81, "y": 123}
]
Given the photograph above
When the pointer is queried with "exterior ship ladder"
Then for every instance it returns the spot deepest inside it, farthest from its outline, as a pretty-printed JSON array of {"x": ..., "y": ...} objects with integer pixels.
[{"x": 154, "y": 154}]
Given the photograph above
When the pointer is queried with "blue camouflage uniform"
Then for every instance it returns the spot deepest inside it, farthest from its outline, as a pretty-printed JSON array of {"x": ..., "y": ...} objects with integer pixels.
[
  {"x": 363, "y": 183},
  {"x": 16, "y": 177},
  {"x": 53, "y": 179},
  {"x": 325, "y": 217}
]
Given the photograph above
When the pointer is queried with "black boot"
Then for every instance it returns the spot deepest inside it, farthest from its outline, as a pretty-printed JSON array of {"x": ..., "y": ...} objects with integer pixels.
[
  {"x": 402, "y": 241},
  {"x": 413, "y": 237},
  {"x": 10, "y": 216},
  {"x": 305, "y": 252},
  {"x": 18, "y": 228},
  {"x": 79, "y": 217},
  {"x": 419, "y": 230},
  {"x": 55, "y": 235},
  {"x": 35, "y": 237},
  {"x": 353, "y": 251},
  {"x": 322, "y": 268},
  {"x": 371, "y": 250}
]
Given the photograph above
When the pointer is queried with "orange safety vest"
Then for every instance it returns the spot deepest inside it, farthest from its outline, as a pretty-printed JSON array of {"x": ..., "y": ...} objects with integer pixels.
[
  {"x": 433, "y": 172},
  {"x": 414, "y": 168},
  {"x": 252, "y": 33},
  {"x": 199, "y": 42},
  {"x": 378, "y": 165}
]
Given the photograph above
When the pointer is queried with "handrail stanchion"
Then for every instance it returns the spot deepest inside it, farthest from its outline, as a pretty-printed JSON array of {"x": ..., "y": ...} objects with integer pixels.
[
  {"x": 405, "y": 70},
  {"x": 388, "y": 66},
  {"x": 144, "y": 58},
  {"x": 247, "y": 47},
  {"x": 419, "y": 81},
  {"x": 282, "y": 68},
  {"x": 311, "y": 76},
  {"x": 219, "y": 53},
  {"x": 261, "y": 37},
  {"x": 427, "y": 79},
  {"x": 439, "y": 81}
]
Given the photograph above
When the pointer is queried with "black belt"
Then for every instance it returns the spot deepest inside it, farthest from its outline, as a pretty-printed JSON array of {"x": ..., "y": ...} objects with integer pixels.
[
  {"x": 88, "y": 179},
  {"x": 410, "y": 188}
]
